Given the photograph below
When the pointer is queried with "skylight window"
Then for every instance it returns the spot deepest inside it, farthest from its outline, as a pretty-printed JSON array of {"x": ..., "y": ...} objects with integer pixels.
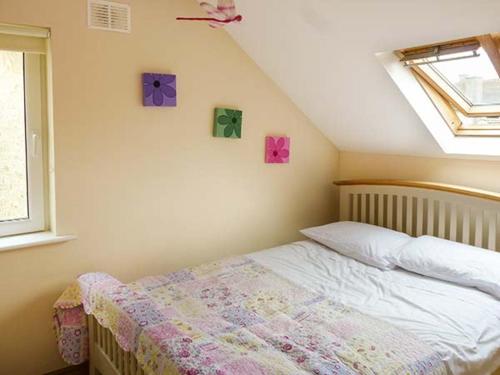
[{"x": 462, "y": 78}]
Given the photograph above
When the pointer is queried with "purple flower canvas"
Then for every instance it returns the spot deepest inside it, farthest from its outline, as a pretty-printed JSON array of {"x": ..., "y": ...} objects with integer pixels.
[{"x": 160, "y": 90}]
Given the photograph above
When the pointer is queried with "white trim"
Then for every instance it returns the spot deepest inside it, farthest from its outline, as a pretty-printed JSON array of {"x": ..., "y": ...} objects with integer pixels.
[
  {"x": 32, "y": 239},
  {"x": 31, "y": 31}
]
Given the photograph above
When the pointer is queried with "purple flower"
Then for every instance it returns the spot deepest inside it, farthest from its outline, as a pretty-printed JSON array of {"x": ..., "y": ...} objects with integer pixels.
[{"x": 159, "y": 89}]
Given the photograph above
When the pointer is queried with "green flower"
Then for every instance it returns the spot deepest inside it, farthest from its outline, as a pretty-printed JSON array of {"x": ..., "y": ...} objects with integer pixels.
[{"x": 228, "y": 123}]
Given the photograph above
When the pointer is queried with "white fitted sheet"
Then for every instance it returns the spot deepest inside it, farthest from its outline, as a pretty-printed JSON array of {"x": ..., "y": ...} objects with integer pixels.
[{"x": 462, "y": 324}]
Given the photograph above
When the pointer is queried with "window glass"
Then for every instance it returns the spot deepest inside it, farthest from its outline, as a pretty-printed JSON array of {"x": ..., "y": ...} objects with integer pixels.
[
  {"x": 474, "y": 78},
  {"x": 13, "y": 175},
  {"x": 474, "y": 122}
]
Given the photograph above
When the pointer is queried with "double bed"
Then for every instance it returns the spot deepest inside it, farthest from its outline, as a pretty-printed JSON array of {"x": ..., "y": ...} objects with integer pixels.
[{"x": 304, "y": 308}]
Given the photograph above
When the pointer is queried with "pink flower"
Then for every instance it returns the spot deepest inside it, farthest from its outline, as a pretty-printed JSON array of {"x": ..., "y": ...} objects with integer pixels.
[
  {"x": 277, "y": 150},
  {"x": 301, "y": 359},
  {"x": 74, "y": 316}
]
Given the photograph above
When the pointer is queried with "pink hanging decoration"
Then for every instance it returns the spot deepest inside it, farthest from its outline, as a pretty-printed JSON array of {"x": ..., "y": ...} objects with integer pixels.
[{"x": 220, "y": 16}]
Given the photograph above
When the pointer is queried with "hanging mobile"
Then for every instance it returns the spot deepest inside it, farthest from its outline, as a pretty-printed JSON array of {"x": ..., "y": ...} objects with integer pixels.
[{"x": 220, "y": 16}]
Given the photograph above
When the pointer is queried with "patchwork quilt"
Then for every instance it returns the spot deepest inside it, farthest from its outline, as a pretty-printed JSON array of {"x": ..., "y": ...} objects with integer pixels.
[{"x": 235, "y": 317}]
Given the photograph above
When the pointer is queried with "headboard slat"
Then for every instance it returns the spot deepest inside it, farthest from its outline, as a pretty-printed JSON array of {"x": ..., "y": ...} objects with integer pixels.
[
  {"x": 478, "y": 229},
  {"x": 420, "y": 216},
  {"x": 441, "y": 218},
  {"x": 380, "y": 200},
  {"x": 492, "y": 230},
  {"x": 355, "y": 207},
  {"x": 466, "y": 226},
  {"x": 399, "y": 214},
  {"x": 363, "y": 208},
  {"x": 409, "y": 215},
  {"x": 371, "y": 209},
  {"x": 389, "y": 212},
  {"x": 430, "y": 216},
  {"x": 453, "y": 222}
]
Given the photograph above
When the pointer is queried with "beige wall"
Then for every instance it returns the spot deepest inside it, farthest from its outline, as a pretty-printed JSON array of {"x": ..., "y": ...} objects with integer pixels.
[
  {"x": 149, "y": 190},
  {"x": 474, "y": 173}
]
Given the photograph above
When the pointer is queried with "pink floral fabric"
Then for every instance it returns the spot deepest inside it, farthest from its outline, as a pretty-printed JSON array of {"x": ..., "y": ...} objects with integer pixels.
[
  {"x": 70, "y": 325},
  {"x": 238, "y": 317}
]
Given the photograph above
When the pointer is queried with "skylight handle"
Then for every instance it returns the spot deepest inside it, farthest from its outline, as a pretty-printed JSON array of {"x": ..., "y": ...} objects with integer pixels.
[{"x": 439, "y": 59}]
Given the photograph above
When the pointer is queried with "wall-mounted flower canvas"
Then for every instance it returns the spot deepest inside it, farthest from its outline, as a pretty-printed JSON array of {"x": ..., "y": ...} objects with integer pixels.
[
  {"x": 277, "y": 150},
  {"x": 159, "y": 90},
  {"x": 228, "y": 123}
]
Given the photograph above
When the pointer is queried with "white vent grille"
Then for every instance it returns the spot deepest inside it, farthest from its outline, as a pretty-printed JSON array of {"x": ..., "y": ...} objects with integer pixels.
[{"x": 107, "y": 15}]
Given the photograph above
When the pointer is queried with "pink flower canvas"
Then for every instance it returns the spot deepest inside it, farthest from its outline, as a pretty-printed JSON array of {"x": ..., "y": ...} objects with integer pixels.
[{"x": 277, "y": 150}]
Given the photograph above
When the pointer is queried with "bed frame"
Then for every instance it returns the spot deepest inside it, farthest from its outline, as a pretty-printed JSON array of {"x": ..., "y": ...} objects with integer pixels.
[
  {"x": 106, "y": 356},
  {"x": 456, "y": 213}
]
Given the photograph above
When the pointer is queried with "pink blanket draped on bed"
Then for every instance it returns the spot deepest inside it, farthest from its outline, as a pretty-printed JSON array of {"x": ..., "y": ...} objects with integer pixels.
[{"x": 235, "y": 317}]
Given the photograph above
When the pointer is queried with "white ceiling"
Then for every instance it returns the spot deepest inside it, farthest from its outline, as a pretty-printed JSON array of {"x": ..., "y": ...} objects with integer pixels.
[{"x": 322, "y": 54}]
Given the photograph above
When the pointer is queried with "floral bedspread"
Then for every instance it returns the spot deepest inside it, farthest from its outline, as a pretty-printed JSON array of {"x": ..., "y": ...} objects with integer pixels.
[{"x": 237, "y": 317}]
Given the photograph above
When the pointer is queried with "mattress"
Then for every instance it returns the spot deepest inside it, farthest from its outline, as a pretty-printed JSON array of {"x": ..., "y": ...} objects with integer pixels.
[{"x": 462, "y": 324}]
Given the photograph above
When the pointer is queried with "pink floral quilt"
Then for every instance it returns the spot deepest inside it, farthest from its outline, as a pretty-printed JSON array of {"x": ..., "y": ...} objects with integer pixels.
[{"x": 235, "y": 317}]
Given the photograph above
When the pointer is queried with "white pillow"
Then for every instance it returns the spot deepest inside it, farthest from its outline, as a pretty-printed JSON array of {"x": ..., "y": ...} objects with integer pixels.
[
  {"x": 452, "y": 261},
  {"x": 364, "y": 242}
]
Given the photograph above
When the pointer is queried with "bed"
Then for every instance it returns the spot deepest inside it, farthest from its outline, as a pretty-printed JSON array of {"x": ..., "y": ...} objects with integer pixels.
[{"x": 446, "y": 326}]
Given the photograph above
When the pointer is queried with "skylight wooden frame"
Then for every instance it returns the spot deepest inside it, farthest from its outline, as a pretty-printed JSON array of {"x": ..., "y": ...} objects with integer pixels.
[{"x": 447, "y": 100}]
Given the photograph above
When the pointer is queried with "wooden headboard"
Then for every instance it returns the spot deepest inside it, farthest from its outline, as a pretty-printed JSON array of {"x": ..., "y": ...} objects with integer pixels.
[{"x": 456, "y": 213}]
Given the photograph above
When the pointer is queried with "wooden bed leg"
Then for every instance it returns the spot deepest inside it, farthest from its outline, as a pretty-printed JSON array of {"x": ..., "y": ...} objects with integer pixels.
[{"x": 91, "y": 326}]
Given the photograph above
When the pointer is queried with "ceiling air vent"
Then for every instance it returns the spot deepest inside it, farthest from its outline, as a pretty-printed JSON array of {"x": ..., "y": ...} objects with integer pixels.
[{"x": 110, "y": 16}]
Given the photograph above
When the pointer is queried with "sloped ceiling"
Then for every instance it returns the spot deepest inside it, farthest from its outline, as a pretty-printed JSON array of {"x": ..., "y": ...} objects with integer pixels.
[{"x": 322, "y": 54}]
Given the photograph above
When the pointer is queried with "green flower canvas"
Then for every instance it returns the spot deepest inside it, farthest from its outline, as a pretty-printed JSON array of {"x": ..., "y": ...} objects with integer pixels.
[{"x": 227, "y": 123}]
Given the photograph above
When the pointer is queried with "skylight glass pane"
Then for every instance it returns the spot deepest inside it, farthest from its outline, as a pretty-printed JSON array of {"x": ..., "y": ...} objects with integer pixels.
[
  {"x": 474, "y": 78},
  {"x": 478, "y": 122},
  {"x": 13, "y": 185}
]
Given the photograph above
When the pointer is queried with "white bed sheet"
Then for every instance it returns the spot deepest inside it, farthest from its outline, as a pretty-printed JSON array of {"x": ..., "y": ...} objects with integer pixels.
[{"x": 462, "y": 324}]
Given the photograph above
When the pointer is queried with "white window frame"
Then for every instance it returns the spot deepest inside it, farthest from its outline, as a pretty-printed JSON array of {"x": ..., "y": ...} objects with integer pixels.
[{"x": 35, "y": 90}]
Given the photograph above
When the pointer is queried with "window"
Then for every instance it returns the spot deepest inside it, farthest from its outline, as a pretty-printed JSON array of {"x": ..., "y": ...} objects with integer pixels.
[
  {"x": 23, "y": 115},
  {"x": 462, "y": 78}
]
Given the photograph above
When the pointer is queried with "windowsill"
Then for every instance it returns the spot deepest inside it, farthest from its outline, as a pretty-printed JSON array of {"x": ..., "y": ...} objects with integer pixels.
[{"x": 33, "y": 239}]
